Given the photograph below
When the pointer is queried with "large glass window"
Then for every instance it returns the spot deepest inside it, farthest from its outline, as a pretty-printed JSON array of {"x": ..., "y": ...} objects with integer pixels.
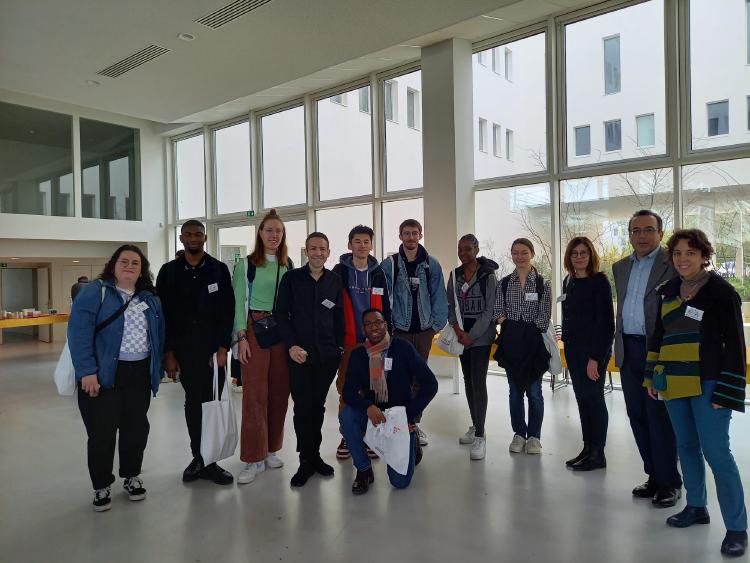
[
  {"x": 232, "y": 162},
  {"x": 344, "y": 151},
  {"x": 600, "y": 208},
  {"x": 110, "y": 159},
  {"x": 190, "y": 177},
  {"x": 526, "y": 213},
  {"x": 284, "y": 181},
  {"x": 394, "y": 212},
  {"x": 719, "y": 78},
  {"x": 36, "y": 161},
  {"x": 390, "y": 99},
  {"x": 403, "y": 141},
  {"x": 646, "y": 136},
  {"x": 583, "y": 140},
  {"x": 628, "y": 44},
  {"x": 613, "y": 135},
  {"x": 482, "y": 135},
  {"x": 517, "y": 100},
  {"x": 235, "y": 243},
  {"x": 336, "y": 224},
  {"x": 296, "y": 233}
]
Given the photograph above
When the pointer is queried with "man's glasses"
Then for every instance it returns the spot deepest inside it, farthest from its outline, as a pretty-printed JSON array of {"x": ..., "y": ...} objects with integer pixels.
[
  {"x": 647, "y": 231},
  {"x": 373, "y": 324}
]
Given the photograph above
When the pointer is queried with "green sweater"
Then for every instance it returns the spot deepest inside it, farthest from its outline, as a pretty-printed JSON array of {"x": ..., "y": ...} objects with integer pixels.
[{"x": 256, "y": 295}]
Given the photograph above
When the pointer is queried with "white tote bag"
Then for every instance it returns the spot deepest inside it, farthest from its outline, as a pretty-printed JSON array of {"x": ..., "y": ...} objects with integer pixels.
[
  {"x": 219, "y": 427},
  {"x": 390, "y": 439},
  {"x": 447, "y": 340},
  {"x": 65, "y": 373},
  {"x": 550, "y": 342}
]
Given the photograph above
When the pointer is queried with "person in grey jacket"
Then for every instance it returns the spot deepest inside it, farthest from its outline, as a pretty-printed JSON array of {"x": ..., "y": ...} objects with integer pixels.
[{"x": 469, "y": 286}]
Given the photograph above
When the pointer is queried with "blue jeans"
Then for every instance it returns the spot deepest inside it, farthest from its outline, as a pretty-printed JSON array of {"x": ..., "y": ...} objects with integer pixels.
[
  {"x": 518, "y": 409},
  {"x": 353, "y": 426},
  {"x": 703, "y": 431}
]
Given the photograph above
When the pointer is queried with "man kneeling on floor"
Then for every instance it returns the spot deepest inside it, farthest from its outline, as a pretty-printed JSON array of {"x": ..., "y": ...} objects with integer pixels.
[{"x": 380, "y": 376}]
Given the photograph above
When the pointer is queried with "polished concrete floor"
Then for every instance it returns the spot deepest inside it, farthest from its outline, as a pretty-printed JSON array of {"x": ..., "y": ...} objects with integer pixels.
[{"x": 507, "y": 507}]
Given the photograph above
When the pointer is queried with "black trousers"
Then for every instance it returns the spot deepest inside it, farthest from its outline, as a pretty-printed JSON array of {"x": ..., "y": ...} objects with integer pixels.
[
  {"x": 123, "y": 407},
  {"x": 589, "y": 395},
  {"x": 309, "y": 383},
  {"x": 474, "y": 364},
  {"x": 649, "y": 419},
  {"x": 196, "y": 377}
]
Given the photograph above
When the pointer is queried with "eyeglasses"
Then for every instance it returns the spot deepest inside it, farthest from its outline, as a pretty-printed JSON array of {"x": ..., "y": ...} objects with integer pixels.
[
  {"x": 581, "y": 254},
  {"x": 647, "y": 231},
  {"x": 373, "y": 324}
]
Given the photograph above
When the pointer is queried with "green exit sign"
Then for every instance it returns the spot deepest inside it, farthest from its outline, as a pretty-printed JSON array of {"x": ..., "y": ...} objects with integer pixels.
[{"x": 251, "y": 213}]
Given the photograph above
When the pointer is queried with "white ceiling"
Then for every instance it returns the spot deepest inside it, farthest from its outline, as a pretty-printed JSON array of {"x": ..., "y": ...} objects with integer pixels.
[{"x": 275, "y": 53}]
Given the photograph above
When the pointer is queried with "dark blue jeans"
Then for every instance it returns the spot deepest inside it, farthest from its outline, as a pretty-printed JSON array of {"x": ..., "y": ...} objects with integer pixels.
[
  {"x": 518, "y": 409},
  {"x": 353, "y": 425},
  {"x": 589, "y": 395},
  {"x": 649, "y": 419}
]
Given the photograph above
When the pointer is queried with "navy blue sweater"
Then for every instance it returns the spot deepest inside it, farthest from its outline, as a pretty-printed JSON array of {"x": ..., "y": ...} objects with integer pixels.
[{"x": 407, "y": 366}]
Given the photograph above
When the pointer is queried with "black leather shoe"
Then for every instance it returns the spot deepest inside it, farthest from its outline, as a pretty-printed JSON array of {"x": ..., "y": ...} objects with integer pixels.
[
  {"x": 418, "y": 453},
  {"x": 690, "y": 515},
  {"x": 193, "y": 471},
  {"x": 734, "y": 544},
  {"x": 362, "y": 481},
  {"x": 595, "y": 460},
  {"x": 321, "y": 467},
  {"x": 216, "y": 474},
  {"x": 583, "y": 454},
  {"x": 647, "y": 490},
  {"x": 305, "y": 471},
  {"x": 666, "y": 498}
]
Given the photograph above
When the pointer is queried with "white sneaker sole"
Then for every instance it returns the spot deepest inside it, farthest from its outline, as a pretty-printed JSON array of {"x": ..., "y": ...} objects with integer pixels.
[
  {"x": 136, "y": 497},
  {"x": 477, "y": 455},
  {"x": 464, "y": 441},
  {"x": 278, "y": 464},
  {"x": 533, "y": 452},
  {"x": 103, "y": 508},
  {"x": 516, "y": 449},
  {"x": 246, "y": 477}
]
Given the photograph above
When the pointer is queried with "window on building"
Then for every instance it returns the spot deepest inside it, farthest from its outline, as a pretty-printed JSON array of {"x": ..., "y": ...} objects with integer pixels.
[
  {"x": 394, "y": 212},
  {"x": 509, "y": 148},
  {"x": 496, "y": 138},
  {"x": 496, "y": 60},
  {"x": 645, "y": 132},
  {"x": 482, "y": 139},
  {"x": 403, "y": 145},
  {"x": 364, "y": 99},
  {"x": 283, "y": 158},
  {"x": 613, "y": 135},
  {"x": 339, "y": 99},
  {"x": 482, "y": 58},
  {"x": 190, "y": 177},
  {"x": 232, "y": 165},
  {"x": 583, "y": 140},
  {"x": 344, "y": 151},
  {"x": 718, "y": 118},
  {"x": 336, "y": 224},
  {"x": 747, "y": 29},
  {"x": 413, "y": 107},
  {"x": 508, "y": 64},
  {"x": 390, "y": 99},
  {"x": 612, "y": 65}
]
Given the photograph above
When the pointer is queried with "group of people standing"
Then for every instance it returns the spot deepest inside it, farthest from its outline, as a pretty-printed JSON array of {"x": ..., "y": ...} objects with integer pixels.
[{"x": 678, "y": 337}]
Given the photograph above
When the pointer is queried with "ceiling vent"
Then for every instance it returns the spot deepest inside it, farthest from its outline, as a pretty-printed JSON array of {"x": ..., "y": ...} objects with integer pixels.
[
  {"x": 133, "y": 61},
  {"x": 230, "y": 12}
]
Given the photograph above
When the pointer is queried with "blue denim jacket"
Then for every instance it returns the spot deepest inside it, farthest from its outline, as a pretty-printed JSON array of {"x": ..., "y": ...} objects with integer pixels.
[
  {"x": 98, "y": 354},
  {"x": 432, "y": 304}
]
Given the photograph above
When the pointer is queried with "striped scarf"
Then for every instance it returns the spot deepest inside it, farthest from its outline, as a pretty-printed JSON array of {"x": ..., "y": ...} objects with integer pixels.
[{"x": 376, "y": 354}]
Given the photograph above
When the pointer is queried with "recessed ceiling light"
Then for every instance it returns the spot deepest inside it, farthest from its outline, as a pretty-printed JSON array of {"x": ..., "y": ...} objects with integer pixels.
[
  {"x": 15, "y": 258},
  {"x": 76, "y": 261},
  {"x": 93, "y": 82},
  {"x": 412, "y": 46},
  {"x": 186, "y": 36},
  {"x": 492, "y": 18}
]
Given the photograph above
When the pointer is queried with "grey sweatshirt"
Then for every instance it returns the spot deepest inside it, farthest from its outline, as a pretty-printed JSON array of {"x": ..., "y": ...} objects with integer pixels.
[{"x": 476, "y": 303}]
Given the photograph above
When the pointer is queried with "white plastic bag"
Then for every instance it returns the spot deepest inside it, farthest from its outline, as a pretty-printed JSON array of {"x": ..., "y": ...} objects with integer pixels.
[
  {"x": 219, "y": 427},
  {"x": 447, "y": 340},
  {"x": 390, "y": 439},
  {"x": 550, "y": 342},
  {"x": 65, "y": 373}
]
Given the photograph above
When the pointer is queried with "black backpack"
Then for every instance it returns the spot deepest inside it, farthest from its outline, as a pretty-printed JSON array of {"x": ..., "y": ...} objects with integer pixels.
[{"x": 539, "y": 286}]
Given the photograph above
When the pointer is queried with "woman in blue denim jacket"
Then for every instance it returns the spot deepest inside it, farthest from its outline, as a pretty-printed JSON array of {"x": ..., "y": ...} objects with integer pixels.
[{"x": 116, "y": 341}]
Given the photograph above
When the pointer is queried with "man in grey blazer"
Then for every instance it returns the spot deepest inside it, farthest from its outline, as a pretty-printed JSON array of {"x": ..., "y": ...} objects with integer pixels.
[{"x": 636, "y": 279}]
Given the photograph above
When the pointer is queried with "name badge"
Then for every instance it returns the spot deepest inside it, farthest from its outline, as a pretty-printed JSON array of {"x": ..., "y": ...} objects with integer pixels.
[
  {"x": 562, "y": 298},
  {"x": 142, "y": 306},
  {"x": 377, "y": 291},
  {"x": 414, "y": 281},
  {"x": 532, "y": 297},
  {"x": 213, "y": 288},
  {"x": 693, "y": 313},
  {"x": 328, "y": 303},
  {"x": 388, "y": 364},
  {"x": 465, "y": 287}
]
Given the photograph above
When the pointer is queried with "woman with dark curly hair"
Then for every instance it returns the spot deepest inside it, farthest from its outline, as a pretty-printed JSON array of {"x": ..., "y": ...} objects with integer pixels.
[
  {"x": 116, "y": 340},
  {"x": 696, "y": 363}
]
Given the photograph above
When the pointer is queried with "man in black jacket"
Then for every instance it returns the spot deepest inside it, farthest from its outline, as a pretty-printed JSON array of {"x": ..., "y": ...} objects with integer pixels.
[
  {"x": 196, "y": 294},
  {"x": 310, "y": 313}
]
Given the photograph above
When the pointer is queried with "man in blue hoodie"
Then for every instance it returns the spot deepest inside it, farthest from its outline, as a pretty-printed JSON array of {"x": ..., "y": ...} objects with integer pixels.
[{"x": 419, "y": 304}]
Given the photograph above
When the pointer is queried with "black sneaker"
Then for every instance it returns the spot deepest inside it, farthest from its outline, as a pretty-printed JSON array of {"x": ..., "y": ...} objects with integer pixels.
[
  {"x": 216, "y": 474},
  {"x": 193, "y": 470},
  {"x": 305, "y": 471},
  {"x": 102, "y": 499},
  {"x": 362, "y": 481},
  {"x": 134, "y": 487},
  {"x": 321, "y": 466}
]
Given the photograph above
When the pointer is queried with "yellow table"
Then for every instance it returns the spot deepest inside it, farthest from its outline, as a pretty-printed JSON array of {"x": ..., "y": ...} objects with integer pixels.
[{"x": 33, "y": 321}]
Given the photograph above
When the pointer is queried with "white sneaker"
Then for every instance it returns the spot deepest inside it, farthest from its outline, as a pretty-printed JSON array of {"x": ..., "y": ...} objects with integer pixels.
[
  {"x": 467, "y": 438},
  {"x": 273, "y": 461},
  {"x": 478, "y": 448},
  {"x": 517, "y": 444},
  {"x": 422, "y": 437},
  {"x": 533, "y": 446},
  {"x": 250, "y": 471}
]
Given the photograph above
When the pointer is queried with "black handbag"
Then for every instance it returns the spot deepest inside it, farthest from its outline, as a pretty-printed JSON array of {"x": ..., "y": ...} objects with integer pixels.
[{"x": 266, "y": 330}]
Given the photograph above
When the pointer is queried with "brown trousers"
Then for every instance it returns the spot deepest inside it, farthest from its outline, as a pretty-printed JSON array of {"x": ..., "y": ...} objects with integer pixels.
[{"x": 265, "y": 398}]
